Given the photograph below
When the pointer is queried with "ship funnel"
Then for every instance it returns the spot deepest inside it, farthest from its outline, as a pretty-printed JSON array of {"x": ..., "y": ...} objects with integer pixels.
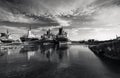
[{"x": 60, "y": 30}]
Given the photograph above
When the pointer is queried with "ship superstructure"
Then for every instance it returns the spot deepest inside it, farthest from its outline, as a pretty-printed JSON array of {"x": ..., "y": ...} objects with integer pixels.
[
  {"x": 48, "y": 37},
  {"x": 6, "y": 37},
  {"x": 29, "y": 37},
  {"x": 61, "y": 37}
]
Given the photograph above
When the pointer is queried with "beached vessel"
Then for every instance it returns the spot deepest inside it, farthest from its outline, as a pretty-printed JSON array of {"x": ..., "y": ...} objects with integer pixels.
[
  {"x": 61, "y": 37},
  {"x": 6, "y": 38},
  {"x": 29, "y": 37},
  {"x": 47, "y": 38}
]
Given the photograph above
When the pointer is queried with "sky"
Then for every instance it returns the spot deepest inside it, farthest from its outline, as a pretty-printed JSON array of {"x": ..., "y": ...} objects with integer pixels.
[{"x": 82, "y": 19}]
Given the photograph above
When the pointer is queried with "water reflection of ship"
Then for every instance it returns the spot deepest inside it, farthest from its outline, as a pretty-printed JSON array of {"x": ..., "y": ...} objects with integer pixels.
[
  {"x": 54, "y": 53},
  {"x": 62, "y": 52},
  {"x": 29, "y": 48},
  {"x": 6, "y": 37},
  {"x": 29, "y": 37},
  {"x": 27, "y": 53},
  {"x": 10, "y": 49},
  {"x": 50, "y": 53},
  {"x": 10, "y": 54}
]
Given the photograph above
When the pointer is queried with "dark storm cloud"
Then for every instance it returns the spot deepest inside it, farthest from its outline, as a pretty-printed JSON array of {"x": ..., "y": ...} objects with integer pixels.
[
  {"x": 30, "y": 10},
  {"x": 38, "y": 11},
  {"x": 24, "y": 11},
  {"x": 33, "y": 6},
  {"x": 41, "y": 6},
  {"x": 106, "y": 3}
]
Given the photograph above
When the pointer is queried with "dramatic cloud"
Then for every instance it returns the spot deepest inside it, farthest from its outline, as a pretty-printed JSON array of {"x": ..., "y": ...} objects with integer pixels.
[
  {"x": 87, "y": 18},
  {"x": 19, "y": 10}
]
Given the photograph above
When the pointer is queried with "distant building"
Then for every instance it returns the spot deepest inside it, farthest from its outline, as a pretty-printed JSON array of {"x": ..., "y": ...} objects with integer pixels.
[
  {"x": 91, "y": 40},
  {"x": 117, "y": 37}
]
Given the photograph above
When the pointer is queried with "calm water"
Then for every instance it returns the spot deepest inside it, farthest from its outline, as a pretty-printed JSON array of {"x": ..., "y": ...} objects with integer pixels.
[{"x": 74, "y": 61}]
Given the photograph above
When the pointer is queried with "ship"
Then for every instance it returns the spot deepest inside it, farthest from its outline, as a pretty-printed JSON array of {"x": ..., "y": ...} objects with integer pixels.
[
  {"x": 61, "y": 37},
  {"x": 6, "y": 38},
  {"x": 47, "y": 38},
  {"x": 29, "y": 37}
]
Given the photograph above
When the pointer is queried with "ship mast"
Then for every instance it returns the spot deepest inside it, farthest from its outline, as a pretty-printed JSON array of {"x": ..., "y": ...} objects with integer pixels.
[
  {"x": 30, "y": 34},
  {"x": 29, "y": 30},
  {"x": 7, "y": 34}
]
